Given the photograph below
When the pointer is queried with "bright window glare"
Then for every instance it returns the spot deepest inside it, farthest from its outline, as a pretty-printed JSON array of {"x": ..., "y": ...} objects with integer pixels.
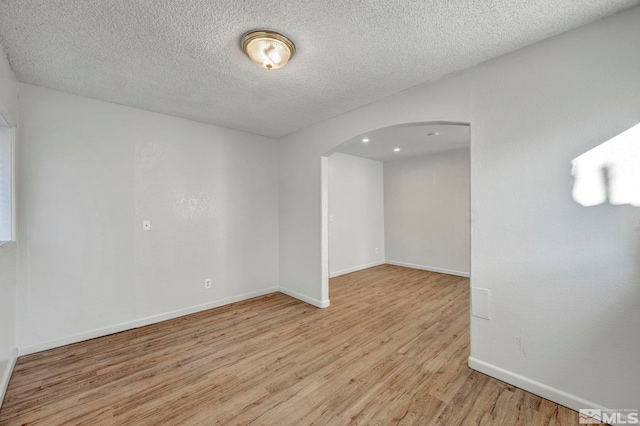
[{"x": 609, "y": 172}]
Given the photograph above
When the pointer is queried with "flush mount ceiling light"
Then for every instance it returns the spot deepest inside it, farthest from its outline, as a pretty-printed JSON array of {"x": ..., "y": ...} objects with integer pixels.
[
  {"x": 433, "y": 134},
  {"x": 365, "y": 140},
  {"x": 396, "y": 149},
  {"x": 268, "y": 49}
]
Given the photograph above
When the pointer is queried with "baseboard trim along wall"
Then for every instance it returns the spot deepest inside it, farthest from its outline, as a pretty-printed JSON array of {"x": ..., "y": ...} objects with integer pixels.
[
  {"x": 356, "y": 268},
  {"x": 315, "y": 302},
  {"x": 540, "y": 389},
  {"x": 140, "y": 322},
  {"x": 6, "y": 375},
  {"x": 429, "y": 268}
]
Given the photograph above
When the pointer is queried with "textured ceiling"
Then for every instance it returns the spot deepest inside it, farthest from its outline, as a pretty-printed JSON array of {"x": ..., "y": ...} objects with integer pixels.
[
  {"x": 183, "y": 58},
  {"x": 413, "y": 140}
]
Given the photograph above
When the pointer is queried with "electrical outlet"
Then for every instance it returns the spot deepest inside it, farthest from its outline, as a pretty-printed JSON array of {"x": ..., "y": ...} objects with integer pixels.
[
  {"x": 377, "y": 250},
  {"x": 146, "y": 225},
  {"x": 207, "y": 283}
]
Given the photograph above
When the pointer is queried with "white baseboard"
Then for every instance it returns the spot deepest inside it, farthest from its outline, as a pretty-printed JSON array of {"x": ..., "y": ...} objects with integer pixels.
[
  {"x": 315, "y": 302},
  {"x": 552, "y": 394},
  {"x": 6, "y": 375},
  {"x": 429, "y": 268},
  {"x": 26, "y": 350},
  {"x": 356, "y": 269}
]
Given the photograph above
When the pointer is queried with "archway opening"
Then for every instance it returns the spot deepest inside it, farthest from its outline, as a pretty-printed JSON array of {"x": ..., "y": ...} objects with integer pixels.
[{"x": 397, "y": 195}]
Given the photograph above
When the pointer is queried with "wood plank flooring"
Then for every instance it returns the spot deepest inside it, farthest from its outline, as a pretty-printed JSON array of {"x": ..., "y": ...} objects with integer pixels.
[{"x": 391, "y": 349}]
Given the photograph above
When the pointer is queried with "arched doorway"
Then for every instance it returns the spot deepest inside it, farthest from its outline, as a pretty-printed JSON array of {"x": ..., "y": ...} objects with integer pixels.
[{"x": 394, "y": 145}]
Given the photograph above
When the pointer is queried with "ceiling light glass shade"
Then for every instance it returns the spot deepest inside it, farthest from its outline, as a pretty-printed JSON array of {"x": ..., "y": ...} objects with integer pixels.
[{"x": 268, "y": 49}]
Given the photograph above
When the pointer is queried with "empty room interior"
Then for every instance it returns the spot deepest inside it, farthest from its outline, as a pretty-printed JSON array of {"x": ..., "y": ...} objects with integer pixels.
[{"x": 331, "y": 213}]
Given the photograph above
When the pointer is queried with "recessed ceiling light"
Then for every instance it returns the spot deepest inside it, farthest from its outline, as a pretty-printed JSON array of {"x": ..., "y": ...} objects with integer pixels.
[
  {"x": 268, "y": 49},
  {"x": 433, "y": 134},
  {"x": 396, "y": 149},
  {"x": 365, "y": 140}
]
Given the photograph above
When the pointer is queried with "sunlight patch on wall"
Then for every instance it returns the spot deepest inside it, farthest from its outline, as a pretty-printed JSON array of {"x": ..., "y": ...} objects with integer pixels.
[{"x": 610, "y": 172}]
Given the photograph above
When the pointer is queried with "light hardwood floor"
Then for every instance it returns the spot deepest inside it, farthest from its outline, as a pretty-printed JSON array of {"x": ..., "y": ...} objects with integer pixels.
[{"x": 391, "y": 349}]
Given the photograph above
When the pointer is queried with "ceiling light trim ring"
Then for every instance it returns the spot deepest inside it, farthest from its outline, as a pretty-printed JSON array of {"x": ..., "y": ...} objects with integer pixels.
[{"x": 274, "y": 36}]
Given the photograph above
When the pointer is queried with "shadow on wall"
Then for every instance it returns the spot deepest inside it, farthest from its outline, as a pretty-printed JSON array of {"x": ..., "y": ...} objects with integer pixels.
[{"x": 610, "y": 172}]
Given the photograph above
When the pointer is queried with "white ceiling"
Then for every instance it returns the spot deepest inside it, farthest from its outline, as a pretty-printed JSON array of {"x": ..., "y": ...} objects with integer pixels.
[
  {"x": 413, "y": 140},
  {"x": 183, "y": 58}
]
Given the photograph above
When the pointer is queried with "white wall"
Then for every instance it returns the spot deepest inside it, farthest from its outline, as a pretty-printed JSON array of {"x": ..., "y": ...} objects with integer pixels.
[
  {"x": 426, "y": 209},
  {"x": 90, "y": 172},
  {"x": 7, "y": 256},
  {"x": 8, "y": 261},
  {"x": 356, "y": 207},
  {"x": 564, "y": 279},
  {"x": 6, "y": 183}
]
